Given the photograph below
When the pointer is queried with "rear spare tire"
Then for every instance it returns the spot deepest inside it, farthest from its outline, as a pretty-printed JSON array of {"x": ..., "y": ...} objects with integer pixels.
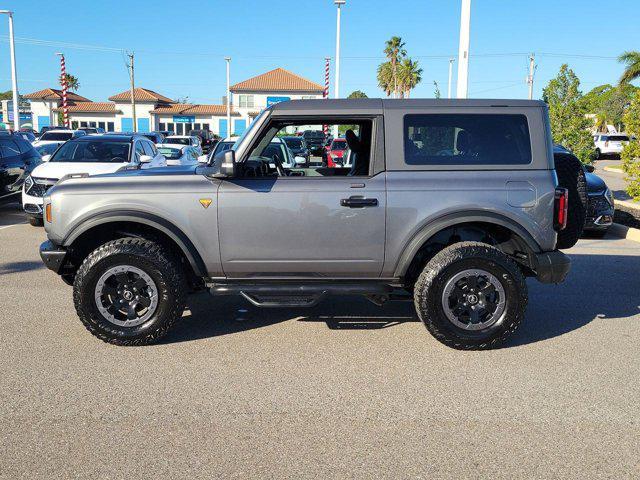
[{"x": 571, "y": 176}]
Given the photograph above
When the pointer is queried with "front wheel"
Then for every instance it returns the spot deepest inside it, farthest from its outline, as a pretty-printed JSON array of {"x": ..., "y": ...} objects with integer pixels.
[
  {"x": 129, "y": 291},
  {"x": 471, "y": 296}
]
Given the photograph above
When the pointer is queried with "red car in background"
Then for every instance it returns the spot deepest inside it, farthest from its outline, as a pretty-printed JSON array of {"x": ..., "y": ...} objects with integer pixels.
[{"x": 335, "y": 151}]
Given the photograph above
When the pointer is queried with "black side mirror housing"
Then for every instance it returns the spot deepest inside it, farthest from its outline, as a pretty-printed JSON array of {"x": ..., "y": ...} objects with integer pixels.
[
  {"x": 225, "y": 164},
  {"x": 590, "y": 168}
]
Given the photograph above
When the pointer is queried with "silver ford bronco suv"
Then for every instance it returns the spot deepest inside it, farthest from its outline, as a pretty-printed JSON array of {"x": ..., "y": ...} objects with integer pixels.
[{"x": 448, "y": 203}]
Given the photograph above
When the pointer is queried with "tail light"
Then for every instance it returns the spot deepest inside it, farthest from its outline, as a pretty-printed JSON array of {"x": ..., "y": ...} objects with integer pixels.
[{"x": 560, "y": 208}]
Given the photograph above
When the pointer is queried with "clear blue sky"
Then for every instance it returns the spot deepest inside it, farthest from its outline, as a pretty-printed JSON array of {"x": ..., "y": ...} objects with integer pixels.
[{"x": 179, "y": 51}]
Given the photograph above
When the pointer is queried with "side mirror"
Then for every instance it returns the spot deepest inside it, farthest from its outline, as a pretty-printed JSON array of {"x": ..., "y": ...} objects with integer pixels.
[
  {"x": 225, "y": 164},
  {"x": 590, "y": 168},
  {"x": 46, "y": 158},
  {"x": 145, "y": 159},
  {"x": 203, "y": 159},
  {"x": 300, "y": 160}
]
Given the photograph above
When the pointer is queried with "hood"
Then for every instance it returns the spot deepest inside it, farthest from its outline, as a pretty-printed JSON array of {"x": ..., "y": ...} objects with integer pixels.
[
  {"x": 594, "y": 183},
  {"x": 58, "y": 170},
  {"x": 159, "y": 171}
]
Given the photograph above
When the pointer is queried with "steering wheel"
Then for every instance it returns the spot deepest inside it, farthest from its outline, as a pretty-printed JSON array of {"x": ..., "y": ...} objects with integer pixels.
[{"x": 279, "y": 167}]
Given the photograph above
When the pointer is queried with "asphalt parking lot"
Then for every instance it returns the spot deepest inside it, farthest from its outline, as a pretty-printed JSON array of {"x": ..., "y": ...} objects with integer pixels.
[{"x": 343, "y": 390}]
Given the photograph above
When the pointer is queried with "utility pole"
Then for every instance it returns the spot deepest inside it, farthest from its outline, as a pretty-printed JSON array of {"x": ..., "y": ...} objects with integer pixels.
[
  {"x": 532, "y": 70},
  {"x": 133, "y": 92},
  {"x": 63, "y": 82},
  {"x": 228, "y": 60},
  {"x": 463, "y": 50},
  {"x": 14, "y": 75},
  {"x": 336, "y": 87},
  {"x": 451, "y": 60}
]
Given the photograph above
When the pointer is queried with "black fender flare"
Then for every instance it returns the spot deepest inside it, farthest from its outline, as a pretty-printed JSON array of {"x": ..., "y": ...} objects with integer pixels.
[
  {"x": 174, "y": 233},
  {"x": 452, "y": 219}
]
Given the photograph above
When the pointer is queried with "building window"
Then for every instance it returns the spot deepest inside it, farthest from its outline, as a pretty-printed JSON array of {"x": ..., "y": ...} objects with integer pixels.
[
  {"x": 74, "y": 125},
  {"x": 188, "y": 127},
  {"x": 83, "y": 124},
  {"x": 197, "y": 126},
  {"x": 101, "y": 125},
  {"x": 245, "y": 101},
  {"x": 162, "y": 126},
  {"x": 205, "y": 126},
  {"x": 179, "y": 129},
  {"x": 110, "y": 127},
  {"x": 92, "y": 124},
  {"x": 171, "y": 127}
]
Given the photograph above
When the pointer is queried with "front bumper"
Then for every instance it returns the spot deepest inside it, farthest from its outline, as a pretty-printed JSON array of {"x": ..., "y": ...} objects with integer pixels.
[
  {"x": 552, "y": 267},
  {"x": 52, "y": 255},
  {"x": 600, "y": 213}
]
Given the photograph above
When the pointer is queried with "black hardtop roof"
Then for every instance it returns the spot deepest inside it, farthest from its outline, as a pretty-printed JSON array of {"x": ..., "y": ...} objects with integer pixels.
[
  {"x": 109, "y": 137},
  {"x": 341, "y": 104}
]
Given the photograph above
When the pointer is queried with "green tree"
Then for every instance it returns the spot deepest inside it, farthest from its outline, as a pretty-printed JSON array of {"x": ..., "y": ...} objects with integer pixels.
[
  {"x": 409, "y": 76},
  {"x": 395, "y": 52},
  {"x": 608, "y": 104},
  {"x": 631, "y": 152},
  {"x": 436, "y": 92},
  {"x": 72, "y": 82},
  {"x": 632, "y": 69},
  {"x": 357, "y": 94},
  {"x": 385, "y": 77},
  {"x": 569, "y": 125}
]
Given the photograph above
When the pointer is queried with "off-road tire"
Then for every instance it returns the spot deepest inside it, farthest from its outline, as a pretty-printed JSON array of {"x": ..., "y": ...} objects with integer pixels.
[
  {"x": 157, "y": 262},
  {"x": 571, "y": 176},
  {"x": 36, "y": 222},
  {"x": 455, "y": 258}
]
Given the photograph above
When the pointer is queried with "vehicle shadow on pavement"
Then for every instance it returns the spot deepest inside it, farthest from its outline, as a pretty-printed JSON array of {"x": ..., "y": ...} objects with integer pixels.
[
  {"x": 11, "y": 214},
  {"x": 599, "y": 287},
  {"x": 18, "y": 267}
]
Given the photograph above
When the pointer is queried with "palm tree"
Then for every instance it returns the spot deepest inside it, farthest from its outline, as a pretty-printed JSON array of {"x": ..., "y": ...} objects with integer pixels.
[
  {"x": 632, "y": 69},
  {"x": 385, "y": 77},
  {"x": 394, "y": 51},
  {"x": 409, "y": 75},
  {"x": 72, "y": 82}
]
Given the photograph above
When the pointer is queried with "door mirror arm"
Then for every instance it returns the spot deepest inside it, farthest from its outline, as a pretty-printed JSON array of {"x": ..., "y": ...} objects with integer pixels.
[{"x": 224, "y": 164}]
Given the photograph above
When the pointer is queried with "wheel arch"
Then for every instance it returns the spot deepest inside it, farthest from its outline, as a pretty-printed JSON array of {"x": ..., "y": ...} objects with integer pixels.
[
  {"x": 490, "y": 222},
  {"x": 149, "y": 223}
]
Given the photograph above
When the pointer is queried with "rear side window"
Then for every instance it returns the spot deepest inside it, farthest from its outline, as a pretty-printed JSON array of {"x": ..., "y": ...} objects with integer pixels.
[
  {"x": 466, "y": 139},
  {"x": 9, "y": 148}
]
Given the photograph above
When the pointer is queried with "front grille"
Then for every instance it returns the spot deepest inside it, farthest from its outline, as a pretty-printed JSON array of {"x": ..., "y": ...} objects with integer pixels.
[
  {"x": 31, "y": 208},
  {"x": 597, "y": 205},
  {"x": 40, "y": 187}
]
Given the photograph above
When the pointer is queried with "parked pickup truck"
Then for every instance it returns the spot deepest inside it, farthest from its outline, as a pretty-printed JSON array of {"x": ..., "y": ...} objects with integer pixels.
[{"x": 449, "y": 202}]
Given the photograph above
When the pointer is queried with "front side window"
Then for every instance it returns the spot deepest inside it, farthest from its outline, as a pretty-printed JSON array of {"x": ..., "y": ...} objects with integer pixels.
[
  {"x": 148, "y": 149},
  {"x": 466, "y": 139},
  {"x": 94, "y": 152},
  {"x": 139, "y": 151}
]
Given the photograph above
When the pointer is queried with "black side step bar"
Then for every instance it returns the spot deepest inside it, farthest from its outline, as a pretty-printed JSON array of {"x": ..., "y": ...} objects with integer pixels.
[{"x": 294, "y": 294}]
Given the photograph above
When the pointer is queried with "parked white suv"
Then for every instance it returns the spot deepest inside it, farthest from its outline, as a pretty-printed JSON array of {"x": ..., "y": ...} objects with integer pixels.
[
  {"x": 609, "y": 143},
  {"x": 58, "y": 136},
  {"x": 85, "y": 156}
]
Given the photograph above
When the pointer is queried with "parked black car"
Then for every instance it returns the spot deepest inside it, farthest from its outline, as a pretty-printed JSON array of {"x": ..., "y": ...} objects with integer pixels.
[
  {"x": 600, "y": 202},
  {"x": 207, "y": 139},
  {"x": 155, "y": 137},
  {"x": 298, "y": 146},
  {"x": 315, "y": 141},
  {"x": 17, "y": 159}
]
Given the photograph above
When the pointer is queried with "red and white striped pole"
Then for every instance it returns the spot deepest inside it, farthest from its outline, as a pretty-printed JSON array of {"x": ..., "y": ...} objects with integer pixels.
[
  {"x": 325, "y": 93},
  {"x": 63, "y": 82}
]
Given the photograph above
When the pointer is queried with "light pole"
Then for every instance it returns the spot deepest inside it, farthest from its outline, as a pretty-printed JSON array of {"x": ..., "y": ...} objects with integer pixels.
[
  {"x": 463, "y": 49},
  {"x": 14, "y": 76},
  {"x": 228, "y": 60},
  {"x": 336, "y": 87}
]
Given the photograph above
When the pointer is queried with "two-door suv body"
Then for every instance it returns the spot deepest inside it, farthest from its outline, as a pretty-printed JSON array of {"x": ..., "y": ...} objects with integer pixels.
[{"x": 451, "y": 202}]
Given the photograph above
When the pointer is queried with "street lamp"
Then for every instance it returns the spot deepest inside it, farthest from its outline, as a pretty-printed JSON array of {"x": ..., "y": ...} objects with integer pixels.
[
  {"x": 336, "y": 87},
  {"x": 14, "y": 78},
  {"x": 463, "y": 49},
  {"x": 228, "y": 60}
]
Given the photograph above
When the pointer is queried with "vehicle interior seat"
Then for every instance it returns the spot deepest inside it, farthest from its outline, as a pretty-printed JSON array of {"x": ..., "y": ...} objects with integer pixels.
[{"x": 360, "y": 152}]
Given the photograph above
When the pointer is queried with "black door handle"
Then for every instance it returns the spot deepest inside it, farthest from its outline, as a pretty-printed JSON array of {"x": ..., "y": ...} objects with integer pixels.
[{"x": 359, "y": 202}]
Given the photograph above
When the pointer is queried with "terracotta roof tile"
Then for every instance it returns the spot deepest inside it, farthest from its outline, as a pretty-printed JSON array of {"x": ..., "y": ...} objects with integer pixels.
[
  {"x": 140, "y": 95},
  {"x": 193, "y": 109},
  {"x": 90, "y": 107},
  {"x": 277, "y": 80},
  {"x": 55, "y": 94}
]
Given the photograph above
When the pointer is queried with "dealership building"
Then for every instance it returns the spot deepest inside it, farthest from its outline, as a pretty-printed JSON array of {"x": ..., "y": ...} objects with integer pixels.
[{"x": 158, "y": 112}]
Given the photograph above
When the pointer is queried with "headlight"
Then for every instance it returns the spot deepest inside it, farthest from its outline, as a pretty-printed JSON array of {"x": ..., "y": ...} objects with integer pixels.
[{"x": 28, "y": 183}]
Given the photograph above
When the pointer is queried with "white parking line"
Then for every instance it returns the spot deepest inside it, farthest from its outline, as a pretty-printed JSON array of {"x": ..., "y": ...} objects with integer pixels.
[{"x": 7, "y": 226}]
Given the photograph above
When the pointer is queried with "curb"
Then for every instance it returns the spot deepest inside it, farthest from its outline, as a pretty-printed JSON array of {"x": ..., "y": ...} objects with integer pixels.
[
  {"x": 627, "y": 204},
  {"x": 613, "y": 170},
  {"x": 628, "y": 233}
]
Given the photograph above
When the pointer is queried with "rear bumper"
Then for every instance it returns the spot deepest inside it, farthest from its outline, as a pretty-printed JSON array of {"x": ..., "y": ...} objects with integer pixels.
[
  {"x": 52, "y": 256},
  {"x": 552, "y": 267}
]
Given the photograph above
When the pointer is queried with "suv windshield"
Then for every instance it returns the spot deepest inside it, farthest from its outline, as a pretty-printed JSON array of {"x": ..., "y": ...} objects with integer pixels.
[
  {"x": 57, "y": 136},
  {"x": 177, "y": 140},
  {"x": 94, "y": 152},
  {"x": 293, "y": 142},
  {"x": 618, "y": 138},
  {"x": 313, "y": 134},
  {"x": 339, "y": 145},
  {"x": 170, "y": 153}
]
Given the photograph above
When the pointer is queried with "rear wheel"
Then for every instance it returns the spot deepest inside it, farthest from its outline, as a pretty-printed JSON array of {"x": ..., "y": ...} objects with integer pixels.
[
  {"x": 129, "y": 291},
  {"x": 571, "y": 176},
  {"x": 471, "y": 296}
]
